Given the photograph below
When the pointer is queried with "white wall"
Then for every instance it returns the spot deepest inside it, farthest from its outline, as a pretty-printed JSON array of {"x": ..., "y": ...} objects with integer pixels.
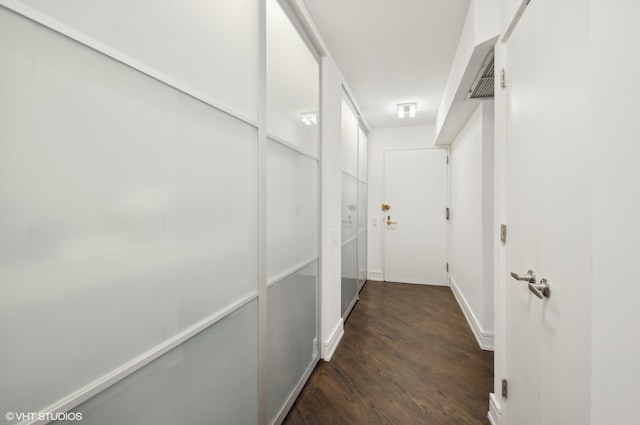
[
  {"x": 480, "y": 31},
  {"x": 458, "y": 67},
  {"x": 615, "y": 211},
  {"x": 331, "y": 328},
  {"x": 486, "y": 19},
  {"x": 488, "y": 232},
  {"x": 380, "y": 139},
  {"x": 470, "y": 250}
]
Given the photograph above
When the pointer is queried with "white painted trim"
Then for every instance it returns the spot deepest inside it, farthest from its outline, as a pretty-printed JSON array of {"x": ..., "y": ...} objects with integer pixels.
[
  {"x": 78, "y": 36},
  {"x": 304, "y": 17},
  {"x": 492, "y": 419},
  {"x": 515, "y": 20},
  {"x": 361, "y": 285},
  {"x": 495, "y": 410},
  {"x": 296, "y": 18},
  {"x": 376, "y": 275},
  {"x": 346, "y": 173},
  {"x": 296, "y": 392},
  {"x": 351, "y": 305},
  {"x": 101, "y": 384},
  {"x": 499, "y": 217},
  {"x": 291, "y": 271},
  {"x": 330, "y": 345},
  {"x": 348, "y": 241},
  {"x": 293, "y": 147},
  {"x": 263, "y": 328},
  {"x": 361, "y": 119},
  {"x": 485, "y": 339}
]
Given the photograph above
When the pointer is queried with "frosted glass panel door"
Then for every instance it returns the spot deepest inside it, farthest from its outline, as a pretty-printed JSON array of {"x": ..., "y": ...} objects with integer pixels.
[
  {"x": 354, "y": 206},
  {"x": 293, "y": 89},
  {"x": 362, "y": 233},
  {"x": 292, "y": 209},
  {"x": 211, "y": 378},
  {"x": 363, "y": 149},
  {"x": 109, "y": 181},
  {"x": 209, "y": 48},
  {"x": 349, "y": 140},
  {"x": 131, "y": 203},
  {"x": 349, "y": 207},
  {"x": 349, "y": 282},
  {"x": 293, "y": 78},
  {"x": 362, "y": 259},
  {"x": 293, "y": 338}
]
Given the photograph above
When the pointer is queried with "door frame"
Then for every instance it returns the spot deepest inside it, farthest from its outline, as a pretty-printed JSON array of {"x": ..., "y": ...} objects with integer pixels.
[
  {"x": 382, "y": 189},
  {"x": 497, "y": 405},
  {"x": 498, "y": 414}
]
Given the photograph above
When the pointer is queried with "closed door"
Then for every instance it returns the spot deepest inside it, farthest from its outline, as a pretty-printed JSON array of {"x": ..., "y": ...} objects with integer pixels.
[
  {"x": 522, "y": 198},
  {"x": 548, "y": 217},
  {"x": 414, "y": 216}
]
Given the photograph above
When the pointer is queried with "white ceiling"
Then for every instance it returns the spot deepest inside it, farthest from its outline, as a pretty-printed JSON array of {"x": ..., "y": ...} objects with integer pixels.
[{"x": 392, "y": 51}]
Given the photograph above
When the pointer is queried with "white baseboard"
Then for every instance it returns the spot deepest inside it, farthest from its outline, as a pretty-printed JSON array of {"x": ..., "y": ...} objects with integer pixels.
[
  {"x": 377, "y": 276},
  {"x": 495, "y": 410},
  {"x": 330, "y": 345},
  {"x": 485, "y": 339}
]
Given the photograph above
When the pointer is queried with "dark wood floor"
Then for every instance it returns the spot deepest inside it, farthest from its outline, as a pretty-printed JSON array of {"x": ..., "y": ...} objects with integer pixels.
[{"x": 407, "y": 357}]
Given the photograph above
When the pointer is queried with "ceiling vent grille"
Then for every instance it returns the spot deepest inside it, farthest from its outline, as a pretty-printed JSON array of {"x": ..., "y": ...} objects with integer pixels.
[{"x": 482, "y": 87}]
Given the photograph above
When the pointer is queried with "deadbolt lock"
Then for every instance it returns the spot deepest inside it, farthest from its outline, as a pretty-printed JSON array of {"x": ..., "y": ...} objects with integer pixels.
[{"x": 386, "y": 207}]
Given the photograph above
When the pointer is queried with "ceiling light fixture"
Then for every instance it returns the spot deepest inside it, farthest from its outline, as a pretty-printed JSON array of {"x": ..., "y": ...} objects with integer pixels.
[{"x": 406, "y": 109}]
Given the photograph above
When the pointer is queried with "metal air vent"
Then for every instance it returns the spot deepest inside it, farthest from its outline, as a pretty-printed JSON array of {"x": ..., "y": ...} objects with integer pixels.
[{"x": 482, "y": 87}]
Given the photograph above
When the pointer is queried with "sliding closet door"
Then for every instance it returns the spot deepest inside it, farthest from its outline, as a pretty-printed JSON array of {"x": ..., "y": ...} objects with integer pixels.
[
  {"x": 349, "y": 145},
  {"x": 292, "y": 212},
  {"x": 128, "y": 280},
  {"x": 138, "y": 175},
  {"x": 354, "y": 207}
]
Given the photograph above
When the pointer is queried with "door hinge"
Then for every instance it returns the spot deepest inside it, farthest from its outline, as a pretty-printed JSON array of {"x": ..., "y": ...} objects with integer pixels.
[
  {"x": 503, "y": 78},
  {"x": 447, "y": 266},
  {"x": 447, "y": 213},
  {"x": 505, "y": 389},
  {"x": 503, "y": 233}
]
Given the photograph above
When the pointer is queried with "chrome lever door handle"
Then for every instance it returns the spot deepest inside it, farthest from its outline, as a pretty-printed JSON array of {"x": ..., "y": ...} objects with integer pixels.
[
  {"x": 542, "y": 289},
  {"x": 529, "y": 277}
]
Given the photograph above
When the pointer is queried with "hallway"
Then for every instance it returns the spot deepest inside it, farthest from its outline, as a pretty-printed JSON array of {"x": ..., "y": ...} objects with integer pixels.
[
  {"x": 407, "y": 357},
  {"x": 193, "y": 194}
]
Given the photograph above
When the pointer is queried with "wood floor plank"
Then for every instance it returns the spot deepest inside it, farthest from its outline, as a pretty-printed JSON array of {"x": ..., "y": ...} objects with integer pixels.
[{"x": 407, "y": 357}]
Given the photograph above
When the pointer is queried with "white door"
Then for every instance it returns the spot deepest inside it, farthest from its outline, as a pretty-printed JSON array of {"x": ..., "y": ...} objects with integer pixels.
[
  {"x": 522, "y": 197},
  {"x": 548, "y": 217},
  {"x": 415, "y": 190}
]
